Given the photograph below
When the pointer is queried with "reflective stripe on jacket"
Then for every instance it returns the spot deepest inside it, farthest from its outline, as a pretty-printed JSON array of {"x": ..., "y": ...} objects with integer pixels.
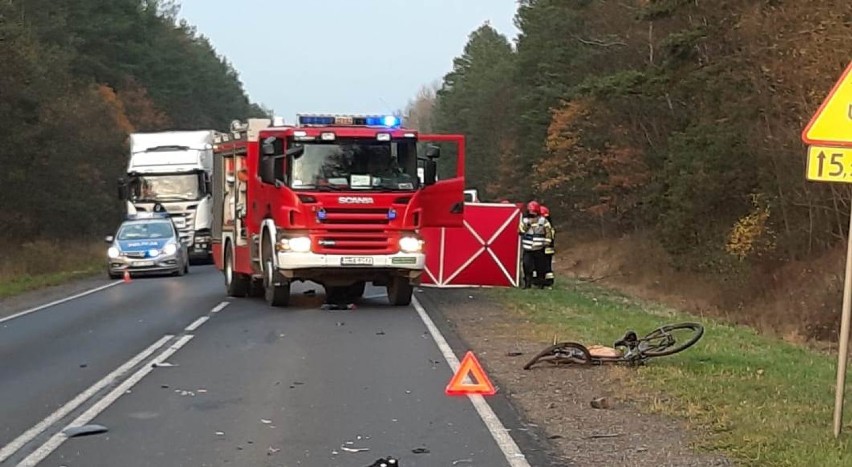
[{"x": 536, "y": 236}]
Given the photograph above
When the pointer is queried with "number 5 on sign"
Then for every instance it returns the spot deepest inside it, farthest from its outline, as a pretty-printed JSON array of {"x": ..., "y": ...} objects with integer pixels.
[{"x": 829, "y": 164}]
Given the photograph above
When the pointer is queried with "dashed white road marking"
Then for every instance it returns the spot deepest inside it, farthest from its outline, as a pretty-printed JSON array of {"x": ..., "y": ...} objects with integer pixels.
[
  {"x": 109, "y": 379},
  {"x": 498, "y": 431},
  {"x": 57, "y": 302},
  {"x": 56, "y": 440},
  {"x": 220, "y": 307},
  {"x": 197, "y": 324}
]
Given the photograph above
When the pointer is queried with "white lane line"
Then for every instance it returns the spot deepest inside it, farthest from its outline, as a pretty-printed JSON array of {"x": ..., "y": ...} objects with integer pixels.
[
  {"x": 57, "y": 302},
  {"x": 498, "y": 431},
  {"x": 36, "y": 430},
  {"x": 56, "y": 440},
  {"x": 220, "y": 307},
  {"x": 196, "y": 324}
]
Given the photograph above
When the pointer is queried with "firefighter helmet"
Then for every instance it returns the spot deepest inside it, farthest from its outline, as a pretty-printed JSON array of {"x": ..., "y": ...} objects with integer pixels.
[{"x": 534, "y": 207}]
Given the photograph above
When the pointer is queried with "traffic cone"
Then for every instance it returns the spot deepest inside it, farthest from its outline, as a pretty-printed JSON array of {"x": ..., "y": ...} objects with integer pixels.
[{"x": 126, "y": 275}]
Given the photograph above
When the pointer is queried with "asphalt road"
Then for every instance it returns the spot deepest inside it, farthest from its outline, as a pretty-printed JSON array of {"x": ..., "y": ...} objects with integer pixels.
[{"x": 243, "y": 384}]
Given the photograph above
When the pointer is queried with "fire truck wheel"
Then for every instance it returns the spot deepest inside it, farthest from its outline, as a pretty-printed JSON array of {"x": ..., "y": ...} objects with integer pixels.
[
  {"x": 399, "y": 291},
  {"x": 278, "y": 295},
  {"x": 236, "y": 284}
]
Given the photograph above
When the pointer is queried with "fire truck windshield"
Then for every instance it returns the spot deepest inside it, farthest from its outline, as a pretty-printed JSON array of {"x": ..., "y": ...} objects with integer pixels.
[
  {"x": 355, "y": 165},
  {"x": 182, "y": 187}
]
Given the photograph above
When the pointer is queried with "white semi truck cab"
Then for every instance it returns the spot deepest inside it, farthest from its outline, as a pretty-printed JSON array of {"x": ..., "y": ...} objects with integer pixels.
[{"x": 172, "y": 169}]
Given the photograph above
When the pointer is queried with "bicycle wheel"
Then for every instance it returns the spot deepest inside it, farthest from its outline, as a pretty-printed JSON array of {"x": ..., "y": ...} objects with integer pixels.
[
  {"x": 663, "y": 341},
  {"x": 562, "y": 353}
]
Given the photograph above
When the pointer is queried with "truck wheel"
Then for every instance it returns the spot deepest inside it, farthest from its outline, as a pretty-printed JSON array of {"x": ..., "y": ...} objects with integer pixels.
[
  {"x": 276, "y": 295},
  {"x": 235, "y": 283},
  {"x": 399, "y": 291}
]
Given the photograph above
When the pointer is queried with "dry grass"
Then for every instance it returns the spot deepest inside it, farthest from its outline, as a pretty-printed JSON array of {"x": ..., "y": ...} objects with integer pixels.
[
  {"x": 32, "y": 265},
  {"x": 760, "y": 399}
]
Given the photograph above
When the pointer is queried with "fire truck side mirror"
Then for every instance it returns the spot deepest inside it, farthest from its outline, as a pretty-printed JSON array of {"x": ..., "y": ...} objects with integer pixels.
[
  {"x": 267, "y": 170},
  {"x": 430, "y": 172},
  {"x": 433, "y": 152}
]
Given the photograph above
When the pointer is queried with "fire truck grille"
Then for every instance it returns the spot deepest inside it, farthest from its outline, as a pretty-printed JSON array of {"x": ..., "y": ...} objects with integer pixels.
[
  {"x": 354, "y": 242},
  {"x": 356, "y": 216}
]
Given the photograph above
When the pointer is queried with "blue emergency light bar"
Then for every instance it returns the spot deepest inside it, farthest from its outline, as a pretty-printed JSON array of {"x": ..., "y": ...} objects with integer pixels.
[{"x": 384, "y": 121}]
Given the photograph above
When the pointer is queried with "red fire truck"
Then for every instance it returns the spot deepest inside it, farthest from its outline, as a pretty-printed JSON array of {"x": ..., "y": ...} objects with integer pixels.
[{"x": 335, "y": 199}]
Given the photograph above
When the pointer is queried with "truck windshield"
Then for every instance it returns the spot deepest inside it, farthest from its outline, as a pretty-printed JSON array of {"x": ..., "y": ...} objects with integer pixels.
[
  {"x": 355, "y": 165},
  {"x": 183, "y": 187}
]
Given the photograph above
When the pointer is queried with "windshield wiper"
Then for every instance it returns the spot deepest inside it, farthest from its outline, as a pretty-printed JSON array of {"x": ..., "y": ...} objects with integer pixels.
[{"x": 328, "y": 188}]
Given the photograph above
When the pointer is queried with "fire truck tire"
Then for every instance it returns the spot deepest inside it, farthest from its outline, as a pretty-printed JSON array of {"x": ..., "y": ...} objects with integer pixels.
[
  {"x": 236, "y": 284},
  {"x": 278, "y": 295},
  {"x": 399, "y": 291}
]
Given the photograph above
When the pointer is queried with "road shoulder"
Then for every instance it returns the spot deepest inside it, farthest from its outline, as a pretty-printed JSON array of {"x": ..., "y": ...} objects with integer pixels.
[
  {"x": 555, "y": 403},
  {"x": 34, "y": 298}
]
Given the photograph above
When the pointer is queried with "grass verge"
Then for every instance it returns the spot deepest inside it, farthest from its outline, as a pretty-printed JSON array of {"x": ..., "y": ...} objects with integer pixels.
[
  {"x": 34, "y": 265},
  {"x": 763, "y": 401}
]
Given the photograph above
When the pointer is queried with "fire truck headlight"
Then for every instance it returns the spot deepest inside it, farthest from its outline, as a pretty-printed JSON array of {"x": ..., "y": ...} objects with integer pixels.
[
  {"x": 170, "y": 249},
  {"x": 410, "y": 244},
  {"x": 113, "y": 252},
  {"x": 300, "y": 244}
]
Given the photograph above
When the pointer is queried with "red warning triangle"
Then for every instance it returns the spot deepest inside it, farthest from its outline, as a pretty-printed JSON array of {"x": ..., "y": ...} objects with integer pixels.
[{"x": 470, "y": 366}]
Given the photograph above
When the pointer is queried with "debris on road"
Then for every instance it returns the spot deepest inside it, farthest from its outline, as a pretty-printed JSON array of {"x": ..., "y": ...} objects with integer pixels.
[
  {"x": 420, "y": 451},
  {"x": 514, "y": 354},
  {"x": 385, "y": 462},
  {"x": 463, "y": 461},
  {"x": 84, "y": 430},
  {"x": 600, "y": 403},
  {"x": 265, "y": 421},
  {"x": 348, "y": 449},
  {"x": 380, "y": 333},
  {"x": 162, "y": 365},
  {"x": 220, "y": 433},
  {"x": 84, "y": 365},
  {"x": 271, "y": 451},
  {"x": 604, "y": 435}
]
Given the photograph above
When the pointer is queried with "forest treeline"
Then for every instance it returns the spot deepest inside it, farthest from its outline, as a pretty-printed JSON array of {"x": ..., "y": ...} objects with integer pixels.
[
  {"x": 76, "y": 77},
  {"x": 678, "y": 117}
]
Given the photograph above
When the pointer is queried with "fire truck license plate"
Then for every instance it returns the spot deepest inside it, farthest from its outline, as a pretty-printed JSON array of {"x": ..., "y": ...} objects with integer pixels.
[{"x": 356, "y": 261}]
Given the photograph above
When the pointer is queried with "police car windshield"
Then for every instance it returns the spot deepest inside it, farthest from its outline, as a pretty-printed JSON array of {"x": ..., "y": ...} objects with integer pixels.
[
  {"x": 182, "y": 187},
  {"x": 145, "y": 230},
  {"x": 355, "y": 165}
]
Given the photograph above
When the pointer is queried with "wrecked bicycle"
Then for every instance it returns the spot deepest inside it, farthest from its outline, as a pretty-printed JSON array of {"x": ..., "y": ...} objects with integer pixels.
[{"x": 665, "y": 340}]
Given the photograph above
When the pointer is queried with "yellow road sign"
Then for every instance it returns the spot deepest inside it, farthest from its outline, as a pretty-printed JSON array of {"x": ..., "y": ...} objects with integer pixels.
[
  {"x": 831, "y": 125},
  {"x": 829, "y": 164}
]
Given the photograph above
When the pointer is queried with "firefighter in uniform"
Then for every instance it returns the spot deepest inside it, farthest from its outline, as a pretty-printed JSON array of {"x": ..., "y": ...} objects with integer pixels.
[
  {"x": 536, "y": 234},
  {"x": 549, "y": 250}
]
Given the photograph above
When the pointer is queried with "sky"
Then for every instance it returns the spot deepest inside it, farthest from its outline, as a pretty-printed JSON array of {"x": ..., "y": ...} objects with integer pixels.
[{"x": 342, "y": 56}]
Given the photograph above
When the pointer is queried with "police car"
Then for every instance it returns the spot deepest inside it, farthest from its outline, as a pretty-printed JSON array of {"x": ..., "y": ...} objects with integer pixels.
[{"x": 147, "y": 243}]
